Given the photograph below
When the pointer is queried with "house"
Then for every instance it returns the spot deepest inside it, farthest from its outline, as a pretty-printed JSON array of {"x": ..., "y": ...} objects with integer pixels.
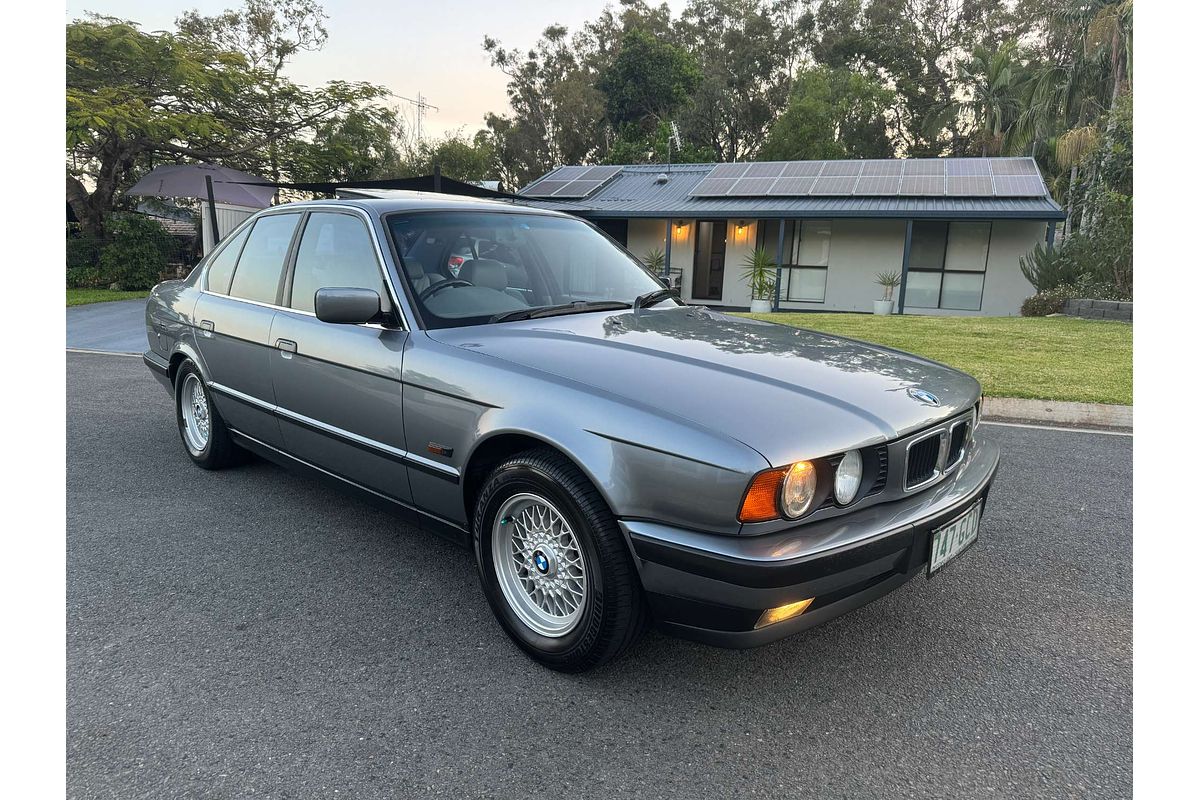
[{"x": 954, "y": 228}]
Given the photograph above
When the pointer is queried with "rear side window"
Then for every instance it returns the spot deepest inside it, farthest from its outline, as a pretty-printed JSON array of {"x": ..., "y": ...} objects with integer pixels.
[
  {"x": 261, "y": 264},
  {"x": 220, "y": 271},
  {"x": 335, "y": 250}
]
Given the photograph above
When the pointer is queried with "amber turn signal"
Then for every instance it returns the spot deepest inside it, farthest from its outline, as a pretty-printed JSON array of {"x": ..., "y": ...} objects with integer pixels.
[
  {"x": 779, "y": 614},
  {"x": 761, "y": 502}
]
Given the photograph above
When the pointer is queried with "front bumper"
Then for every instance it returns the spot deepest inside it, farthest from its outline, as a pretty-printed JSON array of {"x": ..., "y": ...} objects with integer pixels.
[{"x": 713, "y": 588}]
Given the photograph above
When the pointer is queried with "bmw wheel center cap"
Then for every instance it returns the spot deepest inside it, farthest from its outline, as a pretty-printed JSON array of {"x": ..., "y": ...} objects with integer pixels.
[{"x": 542, "y": 562}]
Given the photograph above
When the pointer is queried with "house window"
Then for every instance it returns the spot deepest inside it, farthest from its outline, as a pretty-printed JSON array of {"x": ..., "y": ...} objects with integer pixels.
[
  {"x": 946, "y": 265},
  {"x": 805, "y": 256}
]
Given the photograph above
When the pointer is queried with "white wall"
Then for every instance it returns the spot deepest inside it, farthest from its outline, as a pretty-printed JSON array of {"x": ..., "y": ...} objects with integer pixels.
[
  {"x": 228, "y": 217},
  {"x": 859, "y": 249}
]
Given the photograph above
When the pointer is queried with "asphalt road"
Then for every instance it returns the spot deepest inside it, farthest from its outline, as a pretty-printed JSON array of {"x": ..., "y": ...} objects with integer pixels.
[
  {"x": 115, "y": 327},
  {"x": 253, "y": 634}
]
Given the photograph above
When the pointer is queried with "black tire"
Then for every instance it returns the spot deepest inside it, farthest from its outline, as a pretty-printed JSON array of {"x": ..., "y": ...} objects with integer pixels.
[
  {"x": 614, "y": 614},
  {"x": 219, "y": 451}
]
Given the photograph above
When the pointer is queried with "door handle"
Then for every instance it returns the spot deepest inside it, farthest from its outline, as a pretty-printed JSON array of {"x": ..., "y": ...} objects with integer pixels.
[
  {"x": 206, "y": 328},
  {"x": 286, "y": 347}
]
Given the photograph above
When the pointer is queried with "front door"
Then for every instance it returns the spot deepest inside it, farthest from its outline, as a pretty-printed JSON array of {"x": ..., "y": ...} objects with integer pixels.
[
  {"x": 337, "y": 387},
  {"x": 708, "y": 268}
]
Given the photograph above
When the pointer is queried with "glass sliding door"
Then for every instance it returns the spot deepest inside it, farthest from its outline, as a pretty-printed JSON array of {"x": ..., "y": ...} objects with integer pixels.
[
  {"x": 708, "y": 268},
  {"x": 946, "y": 265}
]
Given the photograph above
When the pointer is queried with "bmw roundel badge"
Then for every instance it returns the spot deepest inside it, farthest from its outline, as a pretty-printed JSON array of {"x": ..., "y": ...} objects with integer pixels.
[{"x": 922, "y": 396}]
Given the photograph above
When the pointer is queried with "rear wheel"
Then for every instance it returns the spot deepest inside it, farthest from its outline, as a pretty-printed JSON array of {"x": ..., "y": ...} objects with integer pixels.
[
  {"x": 554, "y": 565},
  {"x": 204, "y": 434}
]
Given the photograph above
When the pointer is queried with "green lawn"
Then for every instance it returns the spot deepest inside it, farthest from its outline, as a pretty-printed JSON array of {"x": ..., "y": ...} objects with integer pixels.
[
  {"x": 1046, "y": 358},
  {"x": 81, "y": 297}
]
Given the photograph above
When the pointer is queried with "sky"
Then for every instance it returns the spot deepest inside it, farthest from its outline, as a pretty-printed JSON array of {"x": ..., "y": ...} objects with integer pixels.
[{"x": 434, "y": 48}]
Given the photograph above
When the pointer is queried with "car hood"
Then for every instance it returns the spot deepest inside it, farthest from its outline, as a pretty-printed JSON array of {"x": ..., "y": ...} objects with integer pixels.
[{"x": 787, "y": 392}]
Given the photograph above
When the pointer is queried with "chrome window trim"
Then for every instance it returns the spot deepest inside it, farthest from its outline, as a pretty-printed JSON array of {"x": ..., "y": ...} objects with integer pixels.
[
  {"x": 380, "y": 261},
  {"x": 403, "y": 455}
]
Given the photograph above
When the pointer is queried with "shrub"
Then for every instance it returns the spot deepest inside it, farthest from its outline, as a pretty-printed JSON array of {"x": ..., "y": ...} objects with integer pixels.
[
  {"x": 85, "y": 278},
  {"x": 137, "y": 254},
  {"x": 83, "y": 251},
  {"x": 1051, "y": 301}
]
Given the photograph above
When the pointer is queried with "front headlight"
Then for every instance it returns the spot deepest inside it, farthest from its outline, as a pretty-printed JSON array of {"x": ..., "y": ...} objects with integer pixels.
[
  {"x": 799, "y": 488},
  {"x": 847, "y": 478}
]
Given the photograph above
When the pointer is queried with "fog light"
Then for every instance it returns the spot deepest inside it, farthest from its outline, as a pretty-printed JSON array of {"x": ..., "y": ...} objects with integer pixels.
[{"x": 773, "y": 615}]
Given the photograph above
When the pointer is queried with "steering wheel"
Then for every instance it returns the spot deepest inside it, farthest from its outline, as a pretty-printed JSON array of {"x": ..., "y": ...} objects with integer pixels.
[{"x": 430, "y": 291}]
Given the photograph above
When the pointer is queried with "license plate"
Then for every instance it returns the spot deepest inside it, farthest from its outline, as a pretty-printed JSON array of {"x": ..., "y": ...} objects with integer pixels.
[{"x": 952, "y": 538}]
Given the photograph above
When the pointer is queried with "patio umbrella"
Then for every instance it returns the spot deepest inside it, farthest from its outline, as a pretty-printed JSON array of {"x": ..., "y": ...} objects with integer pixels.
[
  {"x": 188, "y": 180},
  {"x": 212, "y": 182}
]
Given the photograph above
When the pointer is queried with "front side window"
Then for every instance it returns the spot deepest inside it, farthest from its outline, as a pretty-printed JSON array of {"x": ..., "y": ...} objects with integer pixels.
[
  {"x": 946, "y": 265},
  {"x": 805, "y": 256},
  {"x": 467, "y": 268},
  {"x": 335, "y": 251},
  {"x": 261, "y": 264}
]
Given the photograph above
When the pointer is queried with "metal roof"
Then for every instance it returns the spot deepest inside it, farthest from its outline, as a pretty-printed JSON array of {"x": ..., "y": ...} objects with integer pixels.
[{"x": 637, "y": 192}]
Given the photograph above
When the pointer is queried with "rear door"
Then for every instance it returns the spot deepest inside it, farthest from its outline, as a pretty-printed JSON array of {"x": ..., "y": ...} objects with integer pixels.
[
  {"x": 338, "y": 387},
  {"x": 235, "y": 313}
]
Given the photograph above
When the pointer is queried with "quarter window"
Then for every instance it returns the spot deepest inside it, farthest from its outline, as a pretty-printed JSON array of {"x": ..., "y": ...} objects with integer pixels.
[
  {"x": 220, "y": 270},
  {"x": 946, "y": 265},
  {"x": 335, "y": 250},
  {"x": 261, "y": 263}
]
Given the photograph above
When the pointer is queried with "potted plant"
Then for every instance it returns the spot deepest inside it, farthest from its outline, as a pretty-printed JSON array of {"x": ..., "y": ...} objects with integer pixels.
[
  {"x": 758, "y": 270},
  {"x": 889, "y": 281},
  {"x": 653, "y": 260}
]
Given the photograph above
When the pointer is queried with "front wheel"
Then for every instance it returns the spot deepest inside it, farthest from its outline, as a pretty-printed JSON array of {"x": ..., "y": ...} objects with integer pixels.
[{"x": 553, "y": 564}]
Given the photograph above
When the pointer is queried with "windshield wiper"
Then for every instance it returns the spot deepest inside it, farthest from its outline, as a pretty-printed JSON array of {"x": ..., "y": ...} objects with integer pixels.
[
  {"x": 650, "y": 298},
  {"x": 577, "y": 307}
]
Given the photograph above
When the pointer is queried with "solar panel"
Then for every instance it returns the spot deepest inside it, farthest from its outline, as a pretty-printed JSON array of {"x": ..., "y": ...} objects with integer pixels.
[
  {"x": 969, "y": 185},
  {"x": 922, "y": 185},
  {"x": 967, "y": 166},
  {"x": 792, "y": 187},
  {"x": 545, "y": 188},
  {"x": 834, "y": 184},
  {"x": 878, "y": 185},
  {"x": 579, "y": 188},
  {"x": 1013, "y": 166},
  {"x": 924, "y": 166},
  {"x": 752, "y": 187},
  {"x": 601, "y": 173},
  {"x": 802, "y": 169},
  {"x": 882, "y": 167},
  {"x": 766, "y": 169},
  {"x": 729, "y": 170},
  {"x": 918, "y": 177},
  {"x": 1018, "y": 186},
  {"x": 838, "y": 168},
  {"x": 713, "y": 187}
]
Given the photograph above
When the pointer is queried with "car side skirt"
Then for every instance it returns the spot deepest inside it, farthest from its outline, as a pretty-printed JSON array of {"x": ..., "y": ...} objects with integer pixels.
[{"x": 426, "y": 521}]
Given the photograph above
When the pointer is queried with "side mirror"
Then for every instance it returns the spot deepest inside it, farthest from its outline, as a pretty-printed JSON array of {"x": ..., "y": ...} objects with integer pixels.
[{"x": 347, "y": 306}]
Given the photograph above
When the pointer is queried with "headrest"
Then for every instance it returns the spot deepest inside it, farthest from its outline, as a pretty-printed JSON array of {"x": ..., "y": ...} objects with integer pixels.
[
  {"x": 484, "y": 272},
  {"x": 414, "y": 268}
]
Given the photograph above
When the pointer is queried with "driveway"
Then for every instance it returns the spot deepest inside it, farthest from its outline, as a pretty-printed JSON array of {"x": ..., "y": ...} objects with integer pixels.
[
  {"x": 251, "y": 633},
  {"x": 116, "y": 327}
]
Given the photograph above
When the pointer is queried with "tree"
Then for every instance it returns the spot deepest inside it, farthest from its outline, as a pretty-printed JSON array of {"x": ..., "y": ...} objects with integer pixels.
[
  {"x": 458, "y": 157},
  {"x": 361, "y": 144},
  {"x": 747, "y": 51},
  {"x": 271, "y": 109},
  {"x": 832, "y": 113},
  {"x": 132, "y": 96},
  {"x": 135, "y": 99},
  {"x": 647, "y": 81}
]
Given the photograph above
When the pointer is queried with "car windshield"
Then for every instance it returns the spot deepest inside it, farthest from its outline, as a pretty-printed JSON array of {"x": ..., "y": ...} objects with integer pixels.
[{"x": 476, "y": 268}]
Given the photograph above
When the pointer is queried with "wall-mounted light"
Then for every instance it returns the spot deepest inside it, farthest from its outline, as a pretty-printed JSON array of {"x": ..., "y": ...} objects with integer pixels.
[{"x": 680, "y": 230}]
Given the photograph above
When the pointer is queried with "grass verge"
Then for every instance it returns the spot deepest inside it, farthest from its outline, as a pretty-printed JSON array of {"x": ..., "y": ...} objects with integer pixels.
[
  {"x": 83, "y": 297},
  {"x": 1044, "y": 358}
]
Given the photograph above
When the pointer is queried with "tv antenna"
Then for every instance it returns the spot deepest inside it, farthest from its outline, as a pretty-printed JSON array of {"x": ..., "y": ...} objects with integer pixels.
[
  {"x": 675, "y": 139},
  {"x": 420, "y": 104}
]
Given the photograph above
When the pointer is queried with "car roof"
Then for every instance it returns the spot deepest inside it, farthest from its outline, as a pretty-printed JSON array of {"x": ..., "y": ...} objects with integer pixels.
[{"x": 426, "y": 201}]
